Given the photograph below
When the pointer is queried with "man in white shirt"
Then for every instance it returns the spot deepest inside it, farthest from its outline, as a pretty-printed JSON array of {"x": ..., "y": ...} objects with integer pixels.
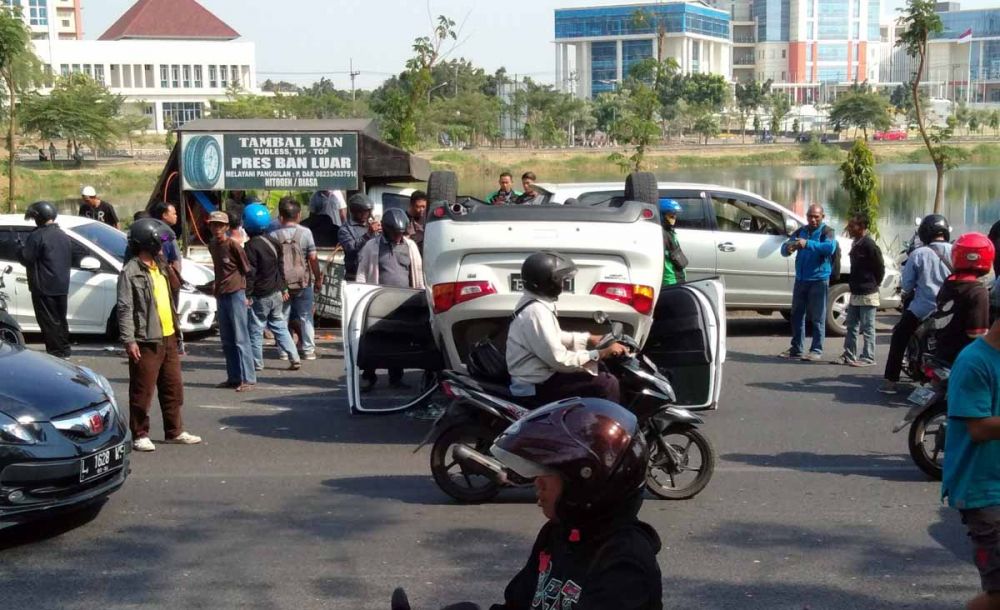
[{"x": 547, "y": 364}]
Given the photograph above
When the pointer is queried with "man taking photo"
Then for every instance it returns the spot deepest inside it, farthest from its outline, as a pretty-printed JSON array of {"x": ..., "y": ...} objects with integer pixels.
[{"x": 814, "y": 247}]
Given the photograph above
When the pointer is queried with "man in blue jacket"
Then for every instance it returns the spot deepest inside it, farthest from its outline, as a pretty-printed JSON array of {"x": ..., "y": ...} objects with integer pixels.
[{"x": 814, "y": 246}]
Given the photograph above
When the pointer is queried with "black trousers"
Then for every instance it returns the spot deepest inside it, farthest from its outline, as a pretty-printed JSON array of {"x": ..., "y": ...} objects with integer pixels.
[
  {"x": 901, "y": 333},
  {"x": 50, "y": 313}
]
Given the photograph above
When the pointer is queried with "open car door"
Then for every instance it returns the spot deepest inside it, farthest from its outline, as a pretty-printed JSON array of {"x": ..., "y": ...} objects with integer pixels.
[
  {"x": 688, "y": 341},
  {"x": 387, "y": 328}
]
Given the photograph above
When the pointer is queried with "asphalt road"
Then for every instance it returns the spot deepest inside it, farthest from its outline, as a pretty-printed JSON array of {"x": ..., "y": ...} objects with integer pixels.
[{"x": 292, "y": 503}]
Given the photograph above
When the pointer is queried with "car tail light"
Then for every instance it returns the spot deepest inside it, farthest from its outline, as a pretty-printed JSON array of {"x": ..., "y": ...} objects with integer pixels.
[
  {"x": 439, "y": 212},
  {"x": 448, "y": 295},
  {"x": 648, "y": 214},
  {"x": 641, "y": 298},
  {"x": 448, "y": 390}
]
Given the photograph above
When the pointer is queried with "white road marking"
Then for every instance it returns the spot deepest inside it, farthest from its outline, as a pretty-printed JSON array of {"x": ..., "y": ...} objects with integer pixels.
[{"x": 246, "y": 407}]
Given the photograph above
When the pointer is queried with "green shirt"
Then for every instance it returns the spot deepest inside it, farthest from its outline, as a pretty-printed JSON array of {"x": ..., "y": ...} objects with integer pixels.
[{"x": 671, "y": 275}]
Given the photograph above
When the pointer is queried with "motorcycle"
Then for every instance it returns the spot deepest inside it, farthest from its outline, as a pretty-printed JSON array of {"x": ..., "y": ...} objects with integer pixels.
[
  {"x": 681, "y": 458},
  {"x": 10, "y": 330},
  {"x": 928, "y": 419},
  {"x": 919, "y": 346}
]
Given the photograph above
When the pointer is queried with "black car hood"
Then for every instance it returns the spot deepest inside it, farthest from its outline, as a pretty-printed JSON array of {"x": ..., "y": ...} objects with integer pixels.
[{"x": 40, "y": 386}]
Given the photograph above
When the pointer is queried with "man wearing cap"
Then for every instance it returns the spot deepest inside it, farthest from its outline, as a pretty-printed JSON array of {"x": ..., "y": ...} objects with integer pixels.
[
  {"x": 231, "y": 267},
  {"x": 95, "y": 209}
]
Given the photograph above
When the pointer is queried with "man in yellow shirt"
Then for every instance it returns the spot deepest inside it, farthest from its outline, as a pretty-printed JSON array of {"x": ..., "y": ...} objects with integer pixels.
[{"x": 147, "y": 322}]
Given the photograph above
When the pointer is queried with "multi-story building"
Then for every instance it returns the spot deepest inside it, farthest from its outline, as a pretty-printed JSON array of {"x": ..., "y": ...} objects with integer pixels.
[
  {"x": 964, "y": 59},
  {"x": 596, "y": 47},
  {"x": 168, "y": 58},
  {"x": 50, "y": 19}
]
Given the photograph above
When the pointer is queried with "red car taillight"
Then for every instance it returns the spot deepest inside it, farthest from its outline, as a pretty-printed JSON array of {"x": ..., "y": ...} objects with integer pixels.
[
  {"x": 640, "y": 298},
  {"x": 448, "y": 295}
]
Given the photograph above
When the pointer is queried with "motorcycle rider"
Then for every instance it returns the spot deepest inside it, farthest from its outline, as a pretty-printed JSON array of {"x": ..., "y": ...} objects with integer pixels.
[
  {"x": 357, "y": 231},
  {"x": 593, "y": 552},
  {"x": 925, "y": 271},
  {"x": 546, "y": 363},
  {"x": 963, "y": 304}
]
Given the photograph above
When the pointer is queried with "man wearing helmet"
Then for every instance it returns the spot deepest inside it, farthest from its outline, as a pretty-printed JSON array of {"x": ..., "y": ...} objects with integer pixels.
[
  {"x": 963, "y": 304},
  {"x": 925, "y": 271},
  {"x": 593, "y": 552},
  {"x": 392, "y": 260},
  {"x": 674, "y": 260},
  {"x": 358, "y": 231},
  {"x": 266, "y": 287},
  {"x": 148, "y": 325},
  {"x": 47, "y": 255},
  {"x": 545, "y": 363}
]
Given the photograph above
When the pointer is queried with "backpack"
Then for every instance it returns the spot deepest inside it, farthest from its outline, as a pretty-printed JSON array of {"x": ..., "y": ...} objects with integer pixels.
[
  {"x": 487, "y": 361},
  {"x": 294, "y": 262}
]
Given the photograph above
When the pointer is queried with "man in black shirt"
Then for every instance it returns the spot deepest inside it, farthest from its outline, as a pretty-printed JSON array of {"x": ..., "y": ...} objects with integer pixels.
[
  {"x": 867, "y": 273},
  {"x": 963, "y": 303},
  {"x": 47, "y": 254},
  {"x": 95, "y": 209}
]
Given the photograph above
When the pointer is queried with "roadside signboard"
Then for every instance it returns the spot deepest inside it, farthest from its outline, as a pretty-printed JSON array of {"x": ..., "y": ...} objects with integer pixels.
[{"x": 265, "y": 161}]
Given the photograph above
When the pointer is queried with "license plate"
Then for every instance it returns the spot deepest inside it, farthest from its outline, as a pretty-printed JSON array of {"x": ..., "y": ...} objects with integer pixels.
[
  {"x": 102, "y": 462},
  {"x": 517, "y": 284},
  {"x": 922, "y": 396}
]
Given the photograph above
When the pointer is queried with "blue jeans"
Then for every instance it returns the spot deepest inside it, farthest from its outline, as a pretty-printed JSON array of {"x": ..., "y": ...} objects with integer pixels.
[
  {"x": 300, "y": 307},
  {"x": 809, "y": 298},
  {"x": 860, "y": 320},
  {"x": 269, "y": 312},
  {"x": 235, "y": 337}
]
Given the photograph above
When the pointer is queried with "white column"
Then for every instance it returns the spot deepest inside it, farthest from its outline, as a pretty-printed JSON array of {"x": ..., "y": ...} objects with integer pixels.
[
  {"x": 158, "y": 116},
  {"x": 565, "y": 68},
  {"x": 558, "y": 79},
  {"x": 580, "y": 69},
  {"x": 685, "y": 56},
  {"x": 619, "y": 61}
]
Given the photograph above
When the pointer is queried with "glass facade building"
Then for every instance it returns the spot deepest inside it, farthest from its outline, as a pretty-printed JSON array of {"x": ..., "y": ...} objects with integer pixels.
[
  {"x": 773, "y": 20},
  {"x": 677, "y": 17}
]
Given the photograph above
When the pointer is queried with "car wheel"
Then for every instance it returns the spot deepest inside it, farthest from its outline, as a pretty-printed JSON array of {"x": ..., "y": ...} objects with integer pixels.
[
  {"x": 836, "y": 310},
  {"x": 442, "y": 186},
  {"x": 11, "y": 334},
  {"x": 641, "y": 186}
]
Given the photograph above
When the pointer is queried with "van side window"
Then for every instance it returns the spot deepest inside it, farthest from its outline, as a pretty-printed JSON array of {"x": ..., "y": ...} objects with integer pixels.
[
  {"x": 692, "y": 214},
  {"x": 736, "y": 215},
  {"x": 395, "y": 200}
]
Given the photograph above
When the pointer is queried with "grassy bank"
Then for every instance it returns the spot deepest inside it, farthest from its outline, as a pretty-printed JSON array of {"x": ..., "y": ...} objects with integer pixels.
[{"x": 114, "y": 183}]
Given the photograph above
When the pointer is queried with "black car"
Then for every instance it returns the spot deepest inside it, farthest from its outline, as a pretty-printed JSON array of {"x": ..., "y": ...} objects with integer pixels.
[{"x": 64, "y": 443}]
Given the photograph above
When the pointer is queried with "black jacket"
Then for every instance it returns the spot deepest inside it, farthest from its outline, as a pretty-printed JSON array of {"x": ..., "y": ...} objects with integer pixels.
[
  {"x": 867, "y": 266},
  {"x": 609, "y": 566},
  {"x": 47, "y": 254},
  {"x": 267, "y": 273}
]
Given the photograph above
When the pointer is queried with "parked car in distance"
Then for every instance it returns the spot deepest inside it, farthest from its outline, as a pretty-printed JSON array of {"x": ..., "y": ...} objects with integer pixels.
[
  {"x": 64, "y": 440},
  {"x": 737, "y": 235},
  {"x": 94, "y": 279},
  {"x": 890, "y": 135}
]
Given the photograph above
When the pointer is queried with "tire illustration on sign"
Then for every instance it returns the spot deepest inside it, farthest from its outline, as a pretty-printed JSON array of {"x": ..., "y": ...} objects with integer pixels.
[{"x": 203, "y": 162}]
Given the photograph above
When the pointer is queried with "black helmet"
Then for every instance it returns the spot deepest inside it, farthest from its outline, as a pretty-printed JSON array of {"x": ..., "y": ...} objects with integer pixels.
[
  {"x": 932, "y": 226},
  {"x": 394, "y": 223},
  {"x": 147, "y": 235},
  {"x": 593, "y": 444},
  {"x": 41, "y": 212},
  {"x": 545, "y": 272},
  {"x": 359, "y": 202}
]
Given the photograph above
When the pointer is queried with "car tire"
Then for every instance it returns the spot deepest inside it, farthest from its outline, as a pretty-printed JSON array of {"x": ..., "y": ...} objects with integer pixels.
[
  {"x": 442, "y": 186},
  {"x": 641, "y": 186},
  {"x": 836, "y": 310},
  {"x": 11, "y": 334}
]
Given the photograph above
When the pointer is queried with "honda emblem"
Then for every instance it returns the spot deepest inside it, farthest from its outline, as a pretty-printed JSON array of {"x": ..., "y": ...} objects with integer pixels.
[{"x": 96, "y": 423}]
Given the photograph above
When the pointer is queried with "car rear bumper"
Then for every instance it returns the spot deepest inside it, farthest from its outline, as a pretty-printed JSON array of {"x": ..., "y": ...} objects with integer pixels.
[{"x": 196, "y": 311}]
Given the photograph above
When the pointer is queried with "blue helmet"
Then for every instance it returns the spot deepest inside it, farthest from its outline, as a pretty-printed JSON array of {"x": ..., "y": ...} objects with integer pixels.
[
  {"x": 669, "y": 206},
  {"x": 256, "y": 218}
]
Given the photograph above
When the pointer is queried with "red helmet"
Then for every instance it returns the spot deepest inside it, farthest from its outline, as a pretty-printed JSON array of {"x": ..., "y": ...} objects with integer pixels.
[
  {"x": 593, "y": 444},
  {"x": 973, "y": 253}
]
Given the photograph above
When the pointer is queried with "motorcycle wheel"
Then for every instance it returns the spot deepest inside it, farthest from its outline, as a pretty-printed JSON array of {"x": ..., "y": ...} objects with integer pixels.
[
  {"x": 11, "y": 334},
  {"x": 450, "y": 476},
  {"x": 677, "y": 484},
  {"x": 926, "y": 440}
]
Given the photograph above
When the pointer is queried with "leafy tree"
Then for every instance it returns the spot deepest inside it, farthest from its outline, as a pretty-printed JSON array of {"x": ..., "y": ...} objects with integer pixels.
[
  {"x": 707, "y": 126},
  {"x": 637, "y": 125},
  {"x": 79, "y": 109},
  {"x": 242, "y": 105},
  {"x": 280, "y": 86},
  {"x": 861, "y": 110},
  {"x": 607, "y": 107},
  {"x": 134, "y": 120},
  {"x": 20, "y": 69},
  {"x": 859, "y": 180},
  {"x": 780, "y": 107},
  {"x": 708, "y": 91},
  {"x": 920, "y": 22},
  {"x": 994, "y": 121},
  {"x": 750, "y": 97},
  {"x": 973, "y": 122}
]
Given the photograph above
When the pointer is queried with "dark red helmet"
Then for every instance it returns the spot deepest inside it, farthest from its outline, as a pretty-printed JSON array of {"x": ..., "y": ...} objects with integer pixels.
[
  {"x": 973, "y": 253},
  {"x": 593, "y": 444}
]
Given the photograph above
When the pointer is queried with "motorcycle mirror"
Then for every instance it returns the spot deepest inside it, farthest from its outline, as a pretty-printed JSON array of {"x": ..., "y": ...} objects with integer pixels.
[{"x": 600, "y": 317}]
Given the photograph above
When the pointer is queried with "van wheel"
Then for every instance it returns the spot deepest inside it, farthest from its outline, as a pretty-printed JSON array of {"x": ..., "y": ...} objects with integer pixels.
[
  {"x": 641, "y": 186},
  {"x": 836, "y": 310},
  {"x": 442, "y": 186}
]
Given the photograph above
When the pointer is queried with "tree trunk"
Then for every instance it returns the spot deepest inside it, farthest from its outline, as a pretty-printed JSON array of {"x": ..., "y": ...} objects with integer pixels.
[
  {"x": 11, "y": 153},
  {"x": 939, "y": 188}
]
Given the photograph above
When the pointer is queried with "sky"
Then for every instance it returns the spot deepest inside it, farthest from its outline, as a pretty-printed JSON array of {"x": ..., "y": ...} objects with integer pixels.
[{"x": 302, "y": 40}]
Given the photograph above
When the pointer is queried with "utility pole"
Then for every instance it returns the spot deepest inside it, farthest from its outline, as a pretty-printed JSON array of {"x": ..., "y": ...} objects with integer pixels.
[
  {"x": 456, "y": 79},
  {"x": 353, "y": 76}
]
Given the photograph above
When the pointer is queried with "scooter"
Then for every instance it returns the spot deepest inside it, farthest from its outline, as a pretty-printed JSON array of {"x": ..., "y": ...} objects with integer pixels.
[
  {"x": 681, "y": 460},
  {"x": 928, "y": 418},
  {"x": 10, "y": 330}
]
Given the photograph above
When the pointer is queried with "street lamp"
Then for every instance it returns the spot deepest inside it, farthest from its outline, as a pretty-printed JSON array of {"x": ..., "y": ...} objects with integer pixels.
[{"x": 433, "y": 89}]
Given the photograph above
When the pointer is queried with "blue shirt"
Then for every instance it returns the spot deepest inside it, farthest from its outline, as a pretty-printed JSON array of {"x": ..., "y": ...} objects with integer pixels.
[
  {"x": 924, "y": 273},
  {"x": 813, "y": 262},
  {"x": 971, "y": 476}
]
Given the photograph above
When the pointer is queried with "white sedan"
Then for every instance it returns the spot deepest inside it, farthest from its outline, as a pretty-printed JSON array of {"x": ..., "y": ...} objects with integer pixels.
[{"x": 94, "y": 279}]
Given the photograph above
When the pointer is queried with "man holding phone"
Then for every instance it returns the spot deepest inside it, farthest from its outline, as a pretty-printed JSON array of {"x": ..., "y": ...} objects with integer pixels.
[
  {"x": 361, "y": 228},
  {"x": 814, "y": 246}
]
